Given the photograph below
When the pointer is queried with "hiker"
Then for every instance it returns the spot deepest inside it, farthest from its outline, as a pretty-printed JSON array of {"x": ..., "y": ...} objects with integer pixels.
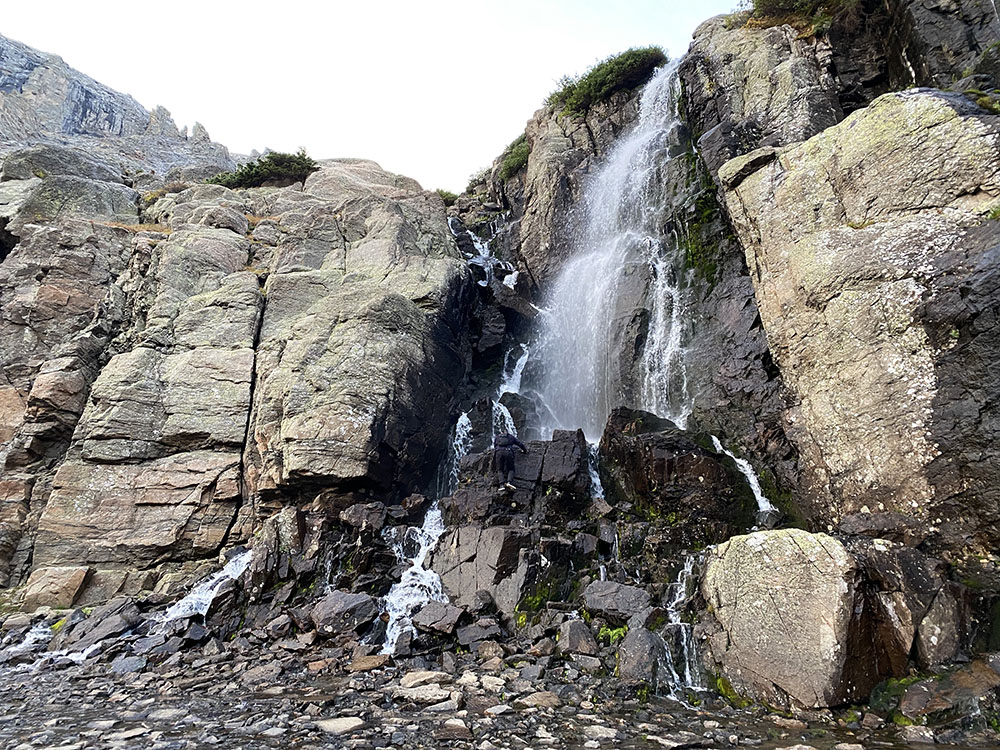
[{"x": 503, "y": 459}]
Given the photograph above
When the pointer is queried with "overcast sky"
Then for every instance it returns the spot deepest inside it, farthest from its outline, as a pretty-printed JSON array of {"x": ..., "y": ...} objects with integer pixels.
[{"x": 432, "y": 89}]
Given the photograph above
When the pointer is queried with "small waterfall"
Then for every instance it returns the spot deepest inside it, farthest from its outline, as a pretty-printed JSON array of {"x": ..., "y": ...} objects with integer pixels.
[
  {"x": 483, "y": 257},
  {"x": 502, "y": 421},
  {"x": 680, "y": 653},
  {"x": 621, "y": 237},
  {"x": 461, "y": 443},
  {"x": 418, "y": 585},
  {"x": 200, "y": 598},
  {"x": 766, "y": 512},
  {"x": 36, "y": 636},
  {"x": 596, "y": 488}
]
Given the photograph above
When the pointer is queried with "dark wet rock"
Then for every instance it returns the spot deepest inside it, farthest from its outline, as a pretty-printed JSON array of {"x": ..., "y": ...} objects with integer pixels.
[
  {"x": 481, "y": 630},
  {"x": 365, "y": 516},
  {"x": 639, "y": 657},
  {"x": 439, "y": 617},
  {"x": 966, "y": 691},
  {"x": 885, "y": 525},
  {"x": 341, "y": 612},
  {"x": 616, "y": 601},
  {"x": 691, "y": 495}
]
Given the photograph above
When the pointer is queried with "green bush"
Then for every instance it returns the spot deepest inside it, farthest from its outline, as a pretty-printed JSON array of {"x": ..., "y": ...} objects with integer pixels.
[
  {"x": 448, "y": 197},
  {"x": 272, "y": 167},
  {"x": 803, "y": 8},
  {"x": 618, "y": 73},
  {"x": 515, "y": 157}
]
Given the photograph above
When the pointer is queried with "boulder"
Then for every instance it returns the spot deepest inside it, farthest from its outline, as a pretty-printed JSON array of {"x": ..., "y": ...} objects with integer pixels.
[
  {"x": 340, "y": 612},
  {"x": 46, "y": 160},
  {"x": 365, "y": 516},
  {"x": 575, "y": 638},
  {"x": 783, "y": 601},
  {"x": 438, "y": 617},
  {"x": 898, "y": 369},
  {"x": 616, "y": 601},
  {"x": 693, "y": 495},
  {"x": 55, "y": 587},
  {"x": 640, "y": 655}
]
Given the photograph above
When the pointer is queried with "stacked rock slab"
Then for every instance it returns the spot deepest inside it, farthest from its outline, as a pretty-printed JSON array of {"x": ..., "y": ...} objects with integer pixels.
[
  {"x": 294, "y": 360},
  {"x": 874, "y": 260}
]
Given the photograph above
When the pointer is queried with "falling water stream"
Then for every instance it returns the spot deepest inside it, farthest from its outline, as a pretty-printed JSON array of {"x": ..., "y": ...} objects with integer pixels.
[{"x": 620, "y": 234}]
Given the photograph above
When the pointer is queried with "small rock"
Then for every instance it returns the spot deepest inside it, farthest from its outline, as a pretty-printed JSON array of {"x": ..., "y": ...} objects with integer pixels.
[
  {"x": 364, "y": 663},
  {"x": 423, "y": 677},
  {"x": 540, "y": 699}
]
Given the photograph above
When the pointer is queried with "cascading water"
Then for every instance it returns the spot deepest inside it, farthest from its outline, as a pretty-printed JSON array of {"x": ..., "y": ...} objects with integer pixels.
[
  {"x": 502, "y": 421},
  {"x": 680, "y": 657},
  {"x": 621, "y": 233},
  {"x": 200, "y": 598},
  {"x": 766, "y": 512},
  {"x": 419, "y": 584}
]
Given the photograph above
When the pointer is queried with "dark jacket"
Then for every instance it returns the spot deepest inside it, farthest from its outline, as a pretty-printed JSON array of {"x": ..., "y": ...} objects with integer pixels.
[{"x": 507, "y": 442}]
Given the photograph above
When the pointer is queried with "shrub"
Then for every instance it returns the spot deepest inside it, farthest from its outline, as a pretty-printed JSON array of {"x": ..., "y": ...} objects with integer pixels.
[
  {"x": 448, "y": 197},
  {"x": 618, "y": 73},
  {"x": 805, "y": 9},
  {"x": 515, "y": 157},
  {"x": 272, "y": 167}
]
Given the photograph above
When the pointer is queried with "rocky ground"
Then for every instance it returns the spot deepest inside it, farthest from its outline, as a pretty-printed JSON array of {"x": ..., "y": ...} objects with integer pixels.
[{"x": 237, "y": 700}]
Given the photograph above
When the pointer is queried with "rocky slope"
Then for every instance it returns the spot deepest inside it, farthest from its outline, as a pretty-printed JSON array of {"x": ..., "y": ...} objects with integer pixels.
[{"x": 267, "y": 379}]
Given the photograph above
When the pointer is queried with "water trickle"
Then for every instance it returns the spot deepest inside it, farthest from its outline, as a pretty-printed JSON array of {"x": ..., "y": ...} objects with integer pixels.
[
  {"x": 620, "y": 234},
  {"x": 419, "y": 584},
  {"x": 766, "y": 512},
  {"x": 681, "y": 656},
  {"x": 596, "y": 488},
  {"x": 36, "y": 636},
  {"x": 200, "y": 598}
]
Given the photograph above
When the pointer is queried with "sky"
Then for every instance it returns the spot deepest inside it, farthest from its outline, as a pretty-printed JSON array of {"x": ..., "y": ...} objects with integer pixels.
[{"x": 432, "y": 89}]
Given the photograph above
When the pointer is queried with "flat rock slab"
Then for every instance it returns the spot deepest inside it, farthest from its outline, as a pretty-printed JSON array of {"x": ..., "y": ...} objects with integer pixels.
[
  {"x": 615, "y": 600},
  {"x": 423, "y": 677},
  {"x": 340, "y": 725},
  {"x": 425, "y": 694},
  {"x": 366, "y": 663},
  {"x": 540, "y": 699}
]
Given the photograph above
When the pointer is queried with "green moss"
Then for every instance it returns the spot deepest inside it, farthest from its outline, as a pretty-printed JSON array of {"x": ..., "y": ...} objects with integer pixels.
[
  {"x": 700, "y": 241},
  {"x": 612, "y": 636},
  {"x": 448, "y": 197},
  {"x": 272, "y": 167},
  {"x": 515, "y": 157},
  {"x": 994, "y": 214},
  {"x": 540, "y": 594},
  {"x": 725, "y": 688},
  {"x": 885, "y": 697},
  {"x": 642, "y": 693},
  {"x": 59, "y": 624},
  {"x": 621, "y": 72}
]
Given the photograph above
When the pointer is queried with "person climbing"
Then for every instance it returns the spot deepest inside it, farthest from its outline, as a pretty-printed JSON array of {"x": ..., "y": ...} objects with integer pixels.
[{"x": 503, "y": 459}]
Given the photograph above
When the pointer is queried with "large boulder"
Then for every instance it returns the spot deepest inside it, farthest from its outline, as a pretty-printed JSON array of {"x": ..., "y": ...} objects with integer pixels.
[
  {"x": 875, "y": 237},
  {"x": 615, "y": 601},
  {"x": 804, "y": 619},
  {"x": 784, "y": 602},
  {"x": 55, "y": 587}
]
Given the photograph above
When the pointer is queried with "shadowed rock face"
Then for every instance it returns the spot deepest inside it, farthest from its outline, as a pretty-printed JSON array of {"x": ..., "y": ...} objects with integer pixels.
[{"x": 874, "y": 265}]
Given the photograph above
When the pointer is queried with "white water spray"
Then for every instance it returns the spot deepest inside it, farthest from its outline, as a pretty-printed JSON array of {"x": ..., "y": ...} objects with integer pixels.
[
  {"x": 680, "y": 653},
  {"x": 621, "y": 240},
  {"x": 200, "y": 598},
  {"x": 418, "y": 585},
  {"x": 765, "y": 509}
]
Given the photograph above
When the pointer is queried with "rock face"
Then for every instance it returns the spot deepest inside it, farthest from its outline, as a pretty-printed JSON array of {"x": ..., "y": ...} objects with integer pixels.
[
  {"x": 43, "y": 100},
  {"x": 893, "y": 273},
  {"x": 801, "y": 619},
  {"x": 210, "y": 368}
]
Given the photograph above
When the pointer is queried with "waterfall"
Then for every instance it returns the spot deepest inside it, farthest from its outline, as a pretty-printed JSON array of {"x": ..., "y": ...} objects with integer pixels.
[
  {"x": 766, "y": 512},
  {"x": 418, "y": 585},
  {"x": 680, "y": 653},
  {"x": 502, "y": 421},
  {"x": 620, "y": 233},
  {"x": 200, "y": 598},
  {"x": 36, "y": 636}
]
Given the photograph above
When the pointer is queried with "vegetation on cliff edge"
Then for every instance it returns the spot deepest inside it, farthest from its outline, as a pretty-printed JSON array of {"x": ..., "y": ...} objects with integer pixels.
[
  {"x": 618, "y": 73},
  {"x": 272, "y": 167},
  {"x": 515, "y": 157}
]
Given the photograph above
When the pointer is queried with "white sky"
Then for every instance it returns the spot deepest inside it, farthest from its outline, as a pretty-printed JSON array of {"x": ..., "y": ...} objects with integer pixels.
[{"x": 431, "y": 89}]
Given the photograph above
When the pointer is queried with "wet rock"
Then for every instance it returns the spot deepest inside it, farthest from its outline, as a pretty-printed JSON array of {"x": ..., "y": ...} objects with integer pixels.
[
  {"x": 343, "y": 612},
  {"x": 438, "y": 617},
  {"x": 957, "y": 694},
  {"x": 617, "y": 601},
  {"x": 639, "y": 657},
  {"x": 365, "y": 516}
]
